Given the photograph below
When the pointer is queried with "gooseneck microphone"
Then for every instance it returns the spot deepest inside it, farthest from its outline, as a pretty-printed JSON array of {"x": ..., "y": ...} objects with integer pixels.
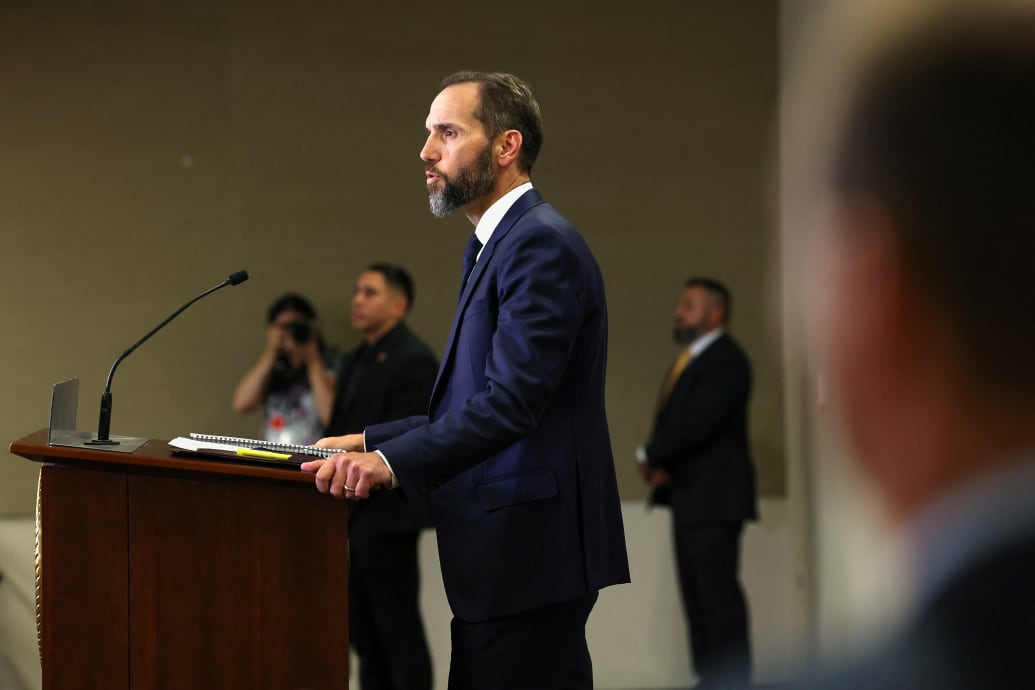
[{"x": 104, "y": 426}]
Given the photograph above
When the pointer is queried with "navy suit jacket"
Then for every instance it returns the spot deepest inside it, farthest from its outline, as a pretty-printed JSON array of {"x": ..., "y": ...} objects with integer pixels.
[
  {"x": 515, "y": 449},
  {"x": 700, "y": 437}
]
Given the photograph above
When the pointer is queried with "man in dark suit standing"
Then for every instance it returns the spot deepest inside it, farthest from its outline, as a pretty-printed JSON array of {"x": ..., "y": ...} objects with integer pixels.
[
  {"x": 389, "y": 376},
  {"x": 930, "y": 336},
  {"x": 515, "y": 449},
  {"x": 699, "y": 463}
]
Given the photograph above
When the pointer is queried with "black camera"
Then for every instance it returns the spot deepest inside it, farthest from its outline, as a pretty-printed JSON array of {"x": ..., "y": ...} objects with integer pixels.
[{"x": 299, "y": 331}]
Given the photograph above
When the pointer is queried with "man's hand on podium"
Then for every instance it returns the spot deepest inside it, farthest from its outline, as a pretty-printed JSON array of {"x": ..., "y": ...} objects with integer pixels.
[
  {"x": 349, "y": 442},
  {"x": 348, "y": 475}
]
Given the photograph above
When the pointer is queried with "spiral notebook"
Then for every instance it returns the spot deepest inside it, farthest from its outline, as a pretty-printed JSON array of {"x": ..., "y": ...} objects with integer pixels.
[{"x": 292, "y": 448}]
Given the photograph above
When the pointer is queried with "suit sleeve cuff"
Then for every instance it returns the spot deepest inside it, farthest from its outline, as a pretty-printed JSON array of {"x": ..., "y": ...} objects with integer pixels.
[{"x": 395, "y": 482}]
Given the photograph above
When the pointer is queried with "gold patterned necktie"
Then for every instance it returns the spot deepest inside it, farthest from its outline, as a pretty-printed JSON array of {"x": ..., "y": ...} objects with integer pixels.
[{"x": 677, "y": 369}]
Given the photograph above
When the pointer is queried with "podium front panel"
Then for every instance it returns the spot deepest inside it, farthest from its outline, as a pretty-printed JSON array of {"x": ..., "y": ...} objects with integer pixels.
[
  {"x": 248, "y": 571},
  {"x": 161, "y": 572},
  {"x": 84, "y": 584}
]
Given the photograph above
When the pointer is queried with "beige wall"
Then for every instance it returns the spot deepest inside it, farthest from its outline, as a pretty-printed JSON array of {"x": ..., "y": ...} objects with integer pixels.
[
  {"x": 146, "y": 152},
  {"x": 149, "y": 151}
]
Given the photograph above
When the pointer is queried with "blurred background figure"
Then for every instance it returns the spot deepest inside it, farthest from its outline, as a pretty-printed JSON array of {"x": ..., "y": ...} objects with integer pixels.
[
  {"x": 388, "y": 376},
  {"x": 928, "y": 334},
  {"x": 294, "y": 378},
  {"x": 698, "y": 462}
]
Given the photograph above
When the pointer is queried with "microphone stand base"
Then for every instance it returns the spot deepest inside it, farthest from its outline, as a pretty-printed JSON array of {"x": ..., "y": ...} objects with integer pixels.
[
  {"x": 64, "y": 402},
  {"x": 86, "y": 439}
]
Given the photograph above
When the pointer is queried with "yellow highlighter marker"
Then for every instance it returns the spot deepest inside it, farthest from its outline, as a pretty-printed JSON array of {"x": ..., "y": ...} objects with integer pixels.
[{"x": 269, "y": 455}]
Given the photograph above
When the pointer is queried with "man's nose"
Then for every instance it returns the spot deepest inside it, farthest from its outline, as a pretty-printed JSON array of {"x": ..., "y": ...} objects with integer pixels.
[{"x": 428, "y": 152}]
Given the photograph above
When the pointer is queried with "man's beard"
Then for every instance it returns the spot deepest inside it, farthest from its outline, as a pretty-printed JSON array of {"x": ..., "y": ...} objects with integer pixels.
[
  {"x": 470, "y": 183},
  {"x": 685, "y": 336}
]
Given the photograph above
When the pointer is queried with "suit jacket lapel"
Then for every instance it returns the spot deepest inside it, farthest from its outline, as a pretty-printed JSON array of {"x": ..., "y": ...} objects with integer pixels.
[
  {"x": 693, "y": 365},
  {"x": 526, "y": 201}
]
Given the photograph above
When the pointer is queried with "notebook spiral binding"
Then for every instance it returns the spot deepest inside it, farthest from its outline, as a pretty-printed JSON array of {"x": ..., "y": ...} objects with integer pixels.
[{"x": 293, "y": 448}]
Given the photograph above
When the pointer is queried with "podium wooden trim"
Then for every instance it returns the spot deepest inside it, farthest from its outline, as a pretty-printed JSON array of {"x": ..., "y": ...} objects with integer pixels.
[{"x": 164, "y": 571}]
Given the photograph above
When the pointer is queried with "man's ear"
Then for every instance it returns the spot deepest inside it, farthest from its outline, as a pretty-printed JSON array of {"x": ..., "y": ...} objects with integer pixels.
[
  {"x": 508, "y": 147},
  {"x": 400, "y": 305}
]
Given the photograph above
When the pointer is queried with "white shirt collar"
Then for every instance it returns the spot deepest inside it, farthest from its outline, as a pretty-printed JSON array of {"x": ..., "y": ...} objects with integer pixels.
[
  {"x": 702, "y": 343},
  {"x": 494, "y": 214}
]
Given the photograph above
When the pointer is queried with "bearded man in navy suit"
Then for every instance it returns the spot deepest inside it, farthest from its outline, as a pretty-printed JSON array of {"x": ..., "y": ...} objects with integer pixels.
[{"x": 515, "y": 450}]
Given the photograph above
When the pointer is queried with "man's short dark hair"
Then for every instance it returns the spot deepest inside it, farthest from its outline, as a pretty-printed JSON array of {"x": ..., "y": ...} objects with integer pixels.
[
  {"x": 291, "y": 302},
  {"x": 506, "y": 103},
  {"x": 397, "y": 278},
  {"x": 941, "y": 134},
  {"x": 717, "y": 291}
]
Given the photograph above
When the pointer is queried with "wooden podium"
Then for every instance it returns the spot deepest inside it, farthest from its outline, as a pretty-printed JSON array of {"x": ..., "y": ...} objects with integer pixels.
[{"x": 166, "y": 571}]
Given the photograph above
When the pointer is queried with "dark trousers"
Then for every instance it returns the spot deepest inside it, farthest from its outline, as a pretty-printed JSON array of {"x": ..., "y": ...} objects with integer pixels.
[
  {"x": 542, "y": 649},
  {"x": 708, "y": 561},
  {"x": 385, "y": 626}
]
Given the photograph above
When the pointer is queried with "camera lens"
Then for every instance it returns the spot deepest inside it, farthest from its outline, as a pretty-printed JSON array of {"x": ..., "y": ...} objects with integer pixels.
[{"x": 300, "y": 331}]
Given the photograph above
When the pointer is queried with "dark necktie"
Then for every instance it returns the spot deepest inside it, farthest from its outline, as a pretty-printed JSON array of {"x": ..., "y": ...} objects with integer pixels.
[{"x": 470, "y": 257}]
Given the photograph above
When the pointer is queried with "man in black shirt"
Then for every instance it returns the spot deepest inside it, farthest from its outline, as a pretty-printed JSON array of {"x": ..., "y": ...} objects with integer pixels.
[{"x": 389, "y": 376}]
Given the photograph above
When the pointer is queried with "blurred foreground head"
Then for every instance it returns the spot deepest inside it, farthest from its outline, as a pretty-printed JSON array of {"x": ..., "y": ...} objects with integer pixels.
[{"x": 930, "y": 328}]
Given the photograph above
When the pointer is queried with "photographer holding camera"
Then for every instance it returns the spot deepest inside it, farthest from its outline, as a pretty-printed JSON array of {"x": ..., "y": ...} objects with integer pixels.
[{"x": 294, "y": 376}]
